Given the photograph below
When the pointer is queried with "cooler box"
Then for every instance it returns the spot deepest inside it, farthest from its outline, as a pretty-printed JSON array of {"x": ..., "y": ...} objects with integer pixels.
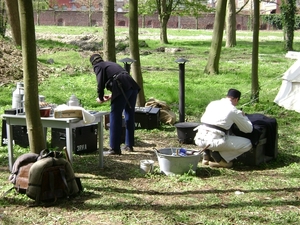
[
  {"x": 84, "y": 139},
  {"x": 147, "y": 117},
  {"x": 20, "y": 136}
]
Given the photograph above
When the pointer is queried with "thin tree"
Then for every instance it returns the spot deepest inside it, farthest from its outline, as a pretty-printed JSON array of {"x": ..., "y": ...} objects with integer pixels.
[
  {"x": 33, "y": 122},
  {"x": 90, "y": 6},
  {"x": 212, "y": 66},
  {"x": 146, "y": 7},
  {"x": 194, "y": 8},
  {"x": 3, "y": 18},
  {"x": 134, "y": 49},
  {"x": 255, "y": 47},
  {"x": 14, "y": 20},
  {"x": 38, "y": 7},
  {"x": 164, "y": 10},
  {"x": 109, "y": 51},
  {"x": 231, "y": 24}
]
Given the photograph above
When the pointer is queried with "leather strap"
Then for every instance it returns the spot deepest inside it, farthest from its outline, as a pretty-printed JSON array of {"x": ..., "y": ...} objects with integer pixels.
[{"x": 216, "y": 127}]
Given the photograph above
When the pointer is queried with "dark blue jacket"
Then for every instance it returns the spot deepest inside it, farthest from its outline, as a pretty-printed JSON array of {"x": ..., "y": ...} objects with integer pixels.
[{"x": 105, "y": 70}]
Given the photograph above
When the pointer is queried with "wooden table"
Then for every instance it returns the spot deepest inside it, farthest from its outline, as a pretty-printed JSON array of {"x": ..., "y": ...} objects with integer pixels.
[{"x": 62, "y": 123}]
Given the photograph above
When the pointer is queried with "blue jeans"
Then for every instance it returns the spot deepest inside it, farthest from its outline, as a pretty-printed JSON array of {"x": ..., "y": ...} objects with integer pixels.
[{"x": 118, "y": 105}]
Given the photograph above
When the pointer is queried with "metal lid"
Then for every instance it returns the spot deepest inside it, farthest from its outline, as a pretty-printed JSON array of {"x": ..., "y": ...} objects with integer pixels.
[{"x": 186, "y": 125}]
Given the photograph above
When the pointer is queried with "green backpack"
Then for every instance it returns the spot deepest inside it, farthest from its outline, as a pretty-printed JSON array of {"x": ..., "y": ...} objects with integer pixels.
[{"x": 51, "y": 178}]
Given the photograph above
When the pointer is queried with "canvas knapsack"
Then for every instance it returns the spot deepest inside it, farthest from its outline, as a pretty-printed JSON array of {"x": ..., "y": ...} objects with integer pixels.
[
  {"x": 20, "y": 171},
  {"x": 51, "y": 178},
  {"x": 45, "y": 177}
]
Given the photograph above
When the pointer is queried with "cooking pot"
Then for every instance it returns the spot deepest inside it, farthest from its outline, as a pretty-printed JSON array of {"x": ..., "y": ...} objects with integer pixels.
[{"x": 185, "y": 132}]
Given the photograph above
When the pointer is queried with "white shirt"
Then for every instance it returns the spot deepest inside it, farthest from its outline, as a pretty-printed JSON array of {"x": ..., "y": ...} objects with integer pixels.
[{"x": 223, "y": 114}]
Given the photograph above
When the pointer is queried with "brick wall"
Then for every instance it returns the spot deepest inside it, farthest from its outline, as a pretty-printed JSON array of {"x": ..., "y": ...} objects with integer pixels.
[{"x": 80, "y": 18}]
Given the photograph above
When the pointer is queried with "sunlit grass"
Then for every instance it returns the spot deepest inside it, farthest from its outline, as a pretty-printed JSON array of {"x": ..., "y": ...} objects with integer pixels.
[{"x": 119, "y": 193}]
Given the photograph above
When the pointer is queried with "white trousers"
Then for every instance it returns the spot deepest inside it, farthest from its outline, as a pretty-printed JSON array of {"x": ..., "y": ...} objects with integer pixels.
[
  {"x": 229, "y": 147},
  {"x": 233, "y": 147}
]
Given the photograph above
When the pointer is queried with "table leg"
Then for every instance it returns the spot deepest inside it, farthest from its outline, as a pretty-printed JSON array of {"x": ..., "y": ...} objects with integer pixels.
[
  {"x": 9, "y": 133},
  {"x": 100, "y": 141},
  {"x": 69, "y": 142},
  {"x": 45, "y": 136}
]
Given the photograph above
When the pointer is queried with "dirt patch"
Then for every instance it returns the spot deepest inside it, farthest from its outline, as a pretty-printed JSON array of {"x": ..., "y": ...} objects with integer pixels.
[{"x": 11, "y": 64}]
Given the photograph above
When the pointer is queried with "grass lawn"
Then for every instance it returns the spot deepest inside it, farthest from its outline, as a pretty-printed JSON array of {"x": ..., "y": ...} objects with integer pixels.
[{"x": 119, "y": 193}]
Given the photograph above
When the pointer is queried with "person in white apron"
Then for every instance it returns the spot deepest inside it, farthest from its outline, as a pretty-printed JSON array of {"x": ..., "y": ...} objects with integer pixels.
[{"x": 213, "y": 132}]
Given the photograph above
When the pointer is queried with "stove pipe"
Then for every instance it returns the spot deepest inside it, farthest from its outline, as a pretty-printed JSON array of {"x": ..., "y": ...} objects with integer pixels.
[{"x": 181, "y": 62}]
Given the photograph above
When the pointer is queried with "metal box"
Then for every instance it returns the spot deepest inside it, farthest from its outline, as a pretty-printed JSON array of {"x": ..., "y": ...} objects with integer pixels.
[
  {"x": 147, "y": 117},
  {"x": 84, "y": 139}
]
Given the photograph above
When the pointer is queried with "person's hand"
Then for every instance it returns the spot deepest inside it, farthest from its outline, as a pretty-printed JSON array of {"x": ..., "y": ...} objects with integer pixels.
[
  {"x": 99, "y": 101},
  {"x": 105, "y": 98}
]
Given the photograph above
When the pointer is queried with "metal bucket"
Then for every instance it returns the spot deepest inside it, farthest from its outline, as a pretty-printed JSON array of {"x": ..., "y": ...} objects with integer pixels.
[
  {"x": 171, "y": 163},
  {"x": 146, "y": 166}
]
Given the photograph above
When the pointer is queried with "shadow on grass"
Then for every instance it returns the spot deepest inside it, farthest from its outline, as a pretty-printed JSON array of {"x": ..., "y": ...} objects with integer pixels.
[
  {"x": 84, "y": 201},
  {"x": 282, "y": 160},
  {"x": 126, "y": 166}
]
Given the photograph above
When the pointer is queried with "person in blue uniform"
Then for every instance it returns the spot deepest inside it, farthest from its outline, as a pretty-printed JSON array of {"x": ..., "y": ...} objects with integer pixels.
[{"x": 124, "y": 91}]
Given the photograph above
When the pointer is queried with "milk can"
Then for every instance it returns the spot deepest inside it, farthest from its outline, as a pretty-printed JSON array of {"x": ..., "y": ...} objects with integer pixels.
[
  {"x": 73, "y": 101},
  {"x": 18, "y": 96}
]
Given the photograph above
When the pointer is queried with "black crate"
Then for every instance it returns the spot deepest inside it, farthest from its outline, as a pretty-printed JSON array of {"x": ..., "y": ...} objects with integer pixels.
[
  {"x": 147, "y": 117},
  {"x": 84, "y": 139},
  {"x": 259, "y": 154},
  {"x": 20, "y": 136}
]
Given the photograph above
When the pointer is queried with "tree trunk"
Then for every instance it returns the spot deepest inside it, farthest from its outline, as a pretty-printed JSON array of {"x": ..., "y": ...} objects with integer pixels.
[
  {"x": 14, "y": 20},
  {"x": 212, "y": 66},
  {"x": 163, "y": 17},
  {"x": 109, "y": 50},
  {"x": 288, "y": 11},
  {"x": 163, "y": 31},
  {"x": 231, "y": 24},
  {"x": 134, "y": 49},
  {"x": 33, "y": 122},
  {"x": 255, "y": 46},
  {"x": 143, "y": 21}
]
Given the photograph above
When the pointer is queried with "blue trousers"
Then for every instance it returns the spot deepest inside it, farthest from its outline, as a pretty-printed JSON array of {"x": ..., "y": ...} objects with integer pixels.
[{"x": 118, "y": 105}]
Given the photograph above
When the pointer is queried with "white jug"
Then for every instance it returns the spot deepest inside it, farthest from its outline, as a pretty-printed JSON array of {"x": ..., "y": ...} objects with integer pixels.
[
  {"x": 18, "y": 96},
  {"x": 73, "y": 101}
]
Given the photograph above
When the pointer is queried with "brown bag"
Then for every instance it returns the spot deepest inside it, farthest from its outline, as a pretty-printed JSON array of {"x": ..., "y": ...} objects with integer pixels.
[{"x": 20, "y": 171}]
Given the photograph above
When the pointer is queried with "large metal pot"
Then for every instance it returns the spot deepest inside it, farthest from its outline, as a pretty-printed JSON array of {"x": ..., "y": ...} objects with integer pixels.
[{"x": 185, "y": 132}]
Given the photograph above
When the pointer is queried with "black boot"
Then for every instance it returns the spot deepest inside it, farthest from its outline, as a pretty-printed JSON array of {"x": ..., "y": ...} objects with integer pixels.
[
  {"x": 206, "y": 157},
  {"x": 219, "y": 161},
  {"x": 216, "y": 156}
]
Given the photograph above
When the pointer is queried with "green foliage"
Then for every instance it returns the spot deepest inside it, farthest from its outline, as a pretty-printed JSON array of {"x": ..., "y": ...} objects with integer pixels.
[
  {"x": 274, "y": 20},
  {"x": 39, "y": 5},
  {"x": 146, "y": 7},
  {"x": 194, "y": 8}
]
